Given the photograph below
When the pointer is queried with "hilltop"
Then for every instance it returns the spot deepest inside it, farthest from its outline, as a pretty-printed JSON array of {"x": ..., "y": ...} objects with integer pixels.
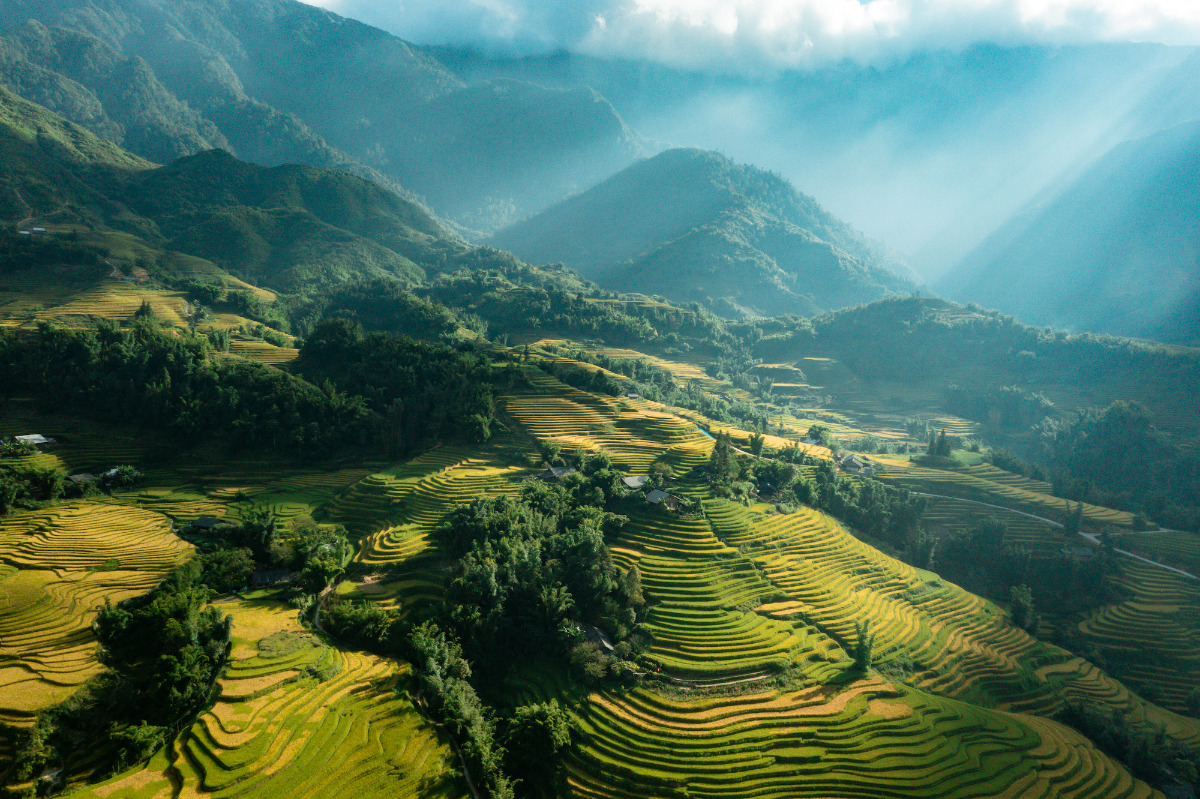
[
  {"x": 275, "y": 81},
  {"x": 693, "y": 226},
  {"x": 1113, "y": 252}
]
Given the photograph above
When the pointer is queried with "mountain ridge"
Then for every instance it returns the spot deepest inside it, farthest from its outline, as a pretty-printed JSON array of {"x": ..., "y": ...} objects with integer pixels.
[
  {"x": 1116, "y": 251},
  {"x": 692, "y": 225}
]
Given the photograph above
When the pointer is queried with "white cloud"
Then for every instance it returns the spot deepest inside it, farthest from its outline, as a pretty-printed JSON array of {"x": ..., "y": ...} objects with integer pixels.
[{"x": 769, "y": 34}]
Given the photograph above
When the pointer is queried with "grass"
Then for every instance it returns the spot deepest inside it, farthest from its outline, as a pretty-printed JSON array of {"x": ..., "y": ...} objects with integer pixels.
[
  {"x": 298, "y": 718},
  {"x": 59, "y": 566}
]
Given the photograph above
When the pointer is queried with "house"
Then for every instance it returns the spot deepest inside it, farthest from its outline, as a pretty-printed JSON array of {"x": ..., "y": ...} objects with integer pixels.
[
  {"x": 39, "y": 230},
  {"x": 556, "y": 473},
  {"x": 34, "y": 439},
  {"x": 262, "y": 579},
  {"x": 853, "y": 463},
  {"x": 206, "y": 523},
  {"x": 81, "y": 478},
  {"x": 1079, "y": 553},
  {"x": 636, "y": 480},
  {"x": 657, "y": 497},
  {"x": 812, "y": 442},
  {"x": 633, "y": 396},
  {"x": 598, "y": 637},
  {"x": 24, "y": 232}
]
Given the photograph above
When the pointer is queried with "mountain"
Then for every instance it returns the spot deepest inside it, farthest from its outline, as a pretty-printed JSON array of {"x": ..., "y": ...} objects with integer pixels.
[
  {"x": 277, "y": 81},
  {"x": 886, "y": 146},
  {"x": 294, "y": 228},
  {"x": 693, "y": 226},
  {"x": 1116, "y": 251}
]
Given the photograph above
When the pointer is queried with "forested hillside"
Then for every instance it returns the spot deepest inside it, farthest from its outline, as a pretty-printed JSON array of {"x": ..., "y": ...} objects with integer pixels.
[
  {"x": 1117, "y": 251},
  {"x": 693, "y": 226},
  {"x": 278, "y": 81}
]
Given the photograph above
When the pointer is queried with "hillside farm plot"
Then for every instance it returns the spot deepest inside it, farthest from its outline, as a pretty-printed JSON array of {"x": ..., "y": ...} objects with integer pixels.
[
  {"x": 59, "y": 566},
  {"x": 395, "y": 513},
  {"x": 947, "y": 641},
  {"x": 1152, "y": 639},
  {"x": 944, "y": 517},
  {"x": 300, "y": 719},
  {"x": 865, "y": 740},
  {"x": 983, "y": 485},
  {"x": 634, "y": 433}
]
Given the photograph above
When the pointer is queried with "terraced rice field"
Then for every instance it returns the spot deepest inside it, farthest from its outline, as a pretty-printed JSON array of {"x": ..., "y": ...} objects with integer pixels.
[
  {"x": 58, "y": 567},
  {"x": 38, "y": 297},
  {"x": 1178, "y": 549},
  {"x": 867, "y": 740},
  {"x": 635, "y": 433},
  {"x": 393, "y": 512},
  {"x": 949, "y": 517},
  {"x": 1152, "y": 638},
  {"x": 989, "y": 485},
  {"x": 298, "y": 719},
  {"x": 263, "y": 352}
]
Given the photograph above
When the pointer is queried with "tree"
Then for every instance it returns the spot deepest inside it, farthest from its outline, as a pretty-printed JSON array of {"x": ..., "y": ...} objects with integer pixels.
[
  {"x": 1021, "y": 603},
  {"x": 1074, "y": 521},
  {"x": 756, "y": 443},
  {"x": 864, "y": 645},
  {"x": 722, "y": 464},
  {"x": 536, "y": 736},
  {"x": 551, "y": 452}
]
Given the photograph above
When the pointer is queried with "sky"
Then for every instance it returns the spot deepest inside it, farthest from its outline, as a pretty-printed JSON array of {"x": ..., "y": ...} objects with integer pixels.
[{"x": 766, "y": 35}]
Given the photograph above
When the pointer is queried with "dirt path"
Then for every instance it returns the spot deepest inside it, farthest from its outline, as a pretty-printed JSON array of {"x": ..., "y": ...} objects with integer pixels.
[{"x": 28, "y": 208}]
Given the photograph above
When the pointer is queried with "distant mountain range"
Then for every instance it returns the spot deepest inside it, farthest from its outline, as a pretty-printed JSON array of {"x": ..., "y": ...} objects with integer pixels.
[
  {"x": 277, "y": 81},
  {"x": 293, "y": 228},
  {"x": 1116, "y": 251},
  {"x": 693, "y": 226}
]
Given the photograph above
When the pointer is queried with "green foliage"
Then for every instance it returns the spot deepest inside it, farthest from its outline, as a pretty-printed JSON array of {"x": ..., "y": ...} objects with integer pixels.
[
  {"x": 864, "y": 646},
  {"x": 723, "y": 466},
  {"x": 444, "y": 675},
  {"x": 1003, "y": 408},
  {"x": 226, "y": 570},
  {"x": 1143, "y": 747},
  {"x": 1023, "y": 614},
  {"x": 422, "y": 391},
  {"x": 174, "y": 384},
  {"x": 535, "y": 737},
  {"x": 164, "y": 652},
  {"x": 527, "y": 570}
]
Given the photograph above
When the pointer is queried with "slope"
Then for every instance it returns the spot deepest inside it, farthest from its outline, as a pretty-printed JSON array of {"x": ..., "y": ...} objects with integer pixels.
[
  {"x": 1114, "y": 252},
  {"x": 291, "y": 227},
  {"x": 278, "y": 80},
  {"x": 694, "y": 226}
]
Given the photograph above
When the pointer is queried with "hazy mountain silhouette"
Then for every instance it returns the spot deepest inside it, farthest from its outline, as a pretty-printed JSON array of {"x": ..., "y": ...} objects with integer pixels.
[
  {"x": 277, "y": 81},
  {"x": 692, "y": 225},
  {"x": 1116, "y": 251}
]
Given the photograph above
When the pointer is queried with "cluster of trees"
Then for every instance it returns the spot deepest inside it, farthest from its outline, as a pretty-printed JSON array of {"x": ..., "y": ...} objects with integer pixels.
[
  {"x": 386, "y": 306},
  {"x": 1004, "y": 408},
  {"x": 1150, "y": 754},
  {"x": 981, "y": 560},
  {"x": 877, "y": 510},
  {"x": 421, "y": 390},
  {"x": 231, "y": 553},
  {"x": 176, "y": 384},
  {"x": 163, "y": 652},
  {"x": 528, "y": 576},
  {"x": 28, "y": 487},
  {"x": 24, "y": 252}
]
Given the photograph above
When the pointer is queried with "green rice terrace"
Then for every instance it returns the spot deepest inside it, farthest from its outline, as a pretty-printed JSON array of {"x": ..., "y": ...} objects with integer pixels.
[{"x": 751, "y": 682}]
